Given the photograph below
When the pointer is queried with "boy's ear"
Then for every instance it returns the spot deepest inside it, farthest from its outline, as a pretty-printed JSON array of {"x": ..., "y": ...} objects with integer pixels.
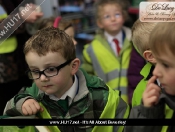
[
  {"x": 149, "y": 56},
  {"x": 75, "y": 66},
  {"x": 99, "y": 24}
]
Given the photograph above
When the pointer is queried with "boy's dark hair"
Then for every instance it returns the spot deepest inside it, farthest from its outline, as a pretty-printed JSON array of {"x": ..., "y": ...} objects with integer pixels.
[
  {"x": 123, "y": 4},
  {"x": 51, "y": 40}
]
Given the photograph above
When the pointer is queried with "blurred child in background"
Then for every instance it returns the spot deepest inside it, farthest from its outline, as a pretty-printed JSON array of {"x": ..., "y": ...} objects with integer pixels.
[
  {"x": 60, "y": 23},
  {"x": 108, "y": 54}
]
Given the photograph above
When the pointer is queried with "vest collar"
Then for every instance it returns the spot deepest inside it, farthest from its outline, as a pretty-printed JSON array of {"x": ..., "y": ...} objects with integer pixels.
[{"x": 168, "y": 99}]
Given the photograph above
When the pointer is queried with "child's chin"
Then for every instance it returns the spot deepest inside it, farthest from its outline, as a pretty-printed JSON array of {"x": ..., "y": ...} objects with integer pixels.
[
  {"x": 49, "y": 92},
  {"x": 172, "y": 93}
]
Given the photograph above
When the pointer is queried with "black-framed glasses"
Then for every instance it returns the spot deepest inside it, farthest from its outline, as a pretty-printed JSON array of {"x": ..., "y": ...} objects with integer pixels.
[{"x": 48, "y": 72}]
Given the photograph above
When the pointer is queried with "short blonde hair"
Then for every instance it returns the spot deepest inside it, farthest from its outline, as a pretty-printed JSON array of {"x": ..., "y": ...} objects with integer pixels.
[
  {"x": 140, "y": 35},
  {"x": 163, "y": 36},
  {"x": 51, "y": 39}
]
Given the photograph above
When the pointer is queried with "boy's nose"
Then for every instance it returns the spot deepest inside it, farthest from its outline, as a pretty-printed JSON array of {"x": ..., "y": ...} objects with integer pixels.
[
  {"x": 113, "y": 18},
  {"x": 157, "y": 71},
  {"x": 43, "y": 78}
]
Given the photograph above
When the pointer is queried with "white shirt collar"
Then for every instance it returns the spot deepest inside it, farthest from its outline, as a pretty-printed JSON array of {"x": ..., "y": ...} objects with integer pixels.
[
  {"x": 118, "y": 36},
  {"x": 70, "y": 93}
]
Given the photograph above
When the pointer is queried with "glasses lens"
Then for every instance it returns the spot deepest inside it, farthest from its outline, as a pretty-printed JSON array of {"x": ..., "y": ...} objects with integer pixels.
[
  {"x": 51, "y": 71},
  {"x": 33, "y": 74}
]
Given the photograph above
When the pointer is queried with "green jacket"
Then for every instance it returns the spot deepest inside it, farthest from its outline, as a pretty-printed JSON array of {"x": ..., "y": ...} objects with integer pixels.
[
  {"x": 99, "y": 59},
  {"x": 89, "y": 103}
]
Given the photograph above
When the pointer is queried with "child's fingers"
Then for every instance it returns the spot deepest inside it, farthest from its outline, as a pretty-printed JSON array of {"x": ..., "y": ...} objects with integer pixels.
[
  {"x": 24, "y": 111},
  {"x": 38, "y": 107},
  {"x": 41, "y": 109},
  {"x": 151, "y": 87},
  {"x": 153, "y": 91},
  {"x": 33, "y": 108},
  {"x": 151, "y": 80},
  {"x": 151, "y": 94},
  {"x": 151, "y": 101},
  {"x": 27, "y": 109}
]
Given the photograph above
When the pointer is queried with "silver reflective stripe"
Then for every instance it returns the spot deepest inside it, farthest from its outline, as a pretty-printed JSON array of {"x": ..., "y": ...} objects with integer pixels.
[
  {"x": 112, "y": 75},
  {"x": 120, "y": 113},
  {"x": 108, "y": 76},
  {"x": 123, "y": 72},
  {"x": 123, "y": 90},
  {"x": 96, "y": 65}
]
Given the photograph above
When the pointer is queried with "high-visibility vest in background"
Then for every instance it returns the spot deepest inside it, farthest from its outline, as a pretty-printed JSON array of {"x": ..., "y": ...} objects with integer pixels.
[
  {"x": 10, "y": 44},
  {"x": 112, "y": 69}
]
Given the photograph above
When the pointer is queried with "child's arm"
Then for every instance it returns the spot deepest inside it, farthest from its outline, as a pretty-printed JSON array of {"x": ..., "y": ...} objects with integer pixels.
[
  {"x": 31, "y": 107},
  {"x": 150, "y": 109},
  {"x": 14, "y": 106},
  {"x": 151, "y": 93}
]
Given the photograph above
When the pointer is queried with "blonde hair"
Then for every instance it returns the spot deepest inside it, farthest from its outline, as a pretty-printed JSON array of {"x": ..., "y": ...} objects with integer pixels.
[
  {"x": 48, "y": 22},
  {"x": 51, "y": 39},
  {"x": 140, "y": 35},
  {"x": 163, "y": 36}
]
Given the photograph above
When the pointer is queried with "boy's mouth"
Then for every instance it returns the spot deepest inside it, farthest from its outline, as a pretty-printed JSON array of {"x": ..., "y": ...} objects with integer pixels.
[
  {"x": 46, "y": 86},
  {"x": 162, "y": 86}
]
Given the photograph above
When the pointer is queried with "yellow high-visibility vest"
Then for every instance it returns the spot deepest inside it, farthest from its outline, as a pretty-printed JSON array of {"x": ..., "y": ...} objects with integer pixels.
[
  {"x": 114, "y": 70},
  {"x": 10, "y": 44},
  {"x": 109, "y": 112}
]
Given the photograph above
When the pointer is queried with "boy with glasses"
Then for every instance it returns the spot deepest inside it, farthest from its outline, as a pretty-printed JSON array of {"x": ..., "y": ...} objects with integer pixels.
[{"x": 61, "y": 90}]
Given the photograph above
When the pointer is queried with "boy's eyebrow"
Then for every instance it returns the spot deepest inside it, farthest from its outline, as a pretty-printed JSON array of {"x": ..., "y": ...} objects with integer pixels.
[
  {"x": 33, "y": 67},
  {"x": 162, "y": 60},
  {"x": 49, "y": 64}
]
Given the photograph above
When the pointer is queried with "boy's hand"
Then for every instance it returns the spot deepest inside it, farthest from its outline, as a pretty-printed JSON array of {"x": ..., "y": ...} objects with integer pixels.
[
  {"x": 152, "y": 93},
  {"x": 31, "y": 107}
]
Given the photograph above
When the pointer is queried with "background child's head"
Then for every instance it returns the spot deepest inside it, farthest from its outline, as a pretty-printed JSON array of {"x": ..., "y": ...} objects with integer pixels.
[
  {"x": 162, "y": 44},
  {"x": 141, "y": 31},
  {"x": 51, "y": 40},
  {"x": 110, "y": 15},
  {"x": 60, "y": 23}
]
